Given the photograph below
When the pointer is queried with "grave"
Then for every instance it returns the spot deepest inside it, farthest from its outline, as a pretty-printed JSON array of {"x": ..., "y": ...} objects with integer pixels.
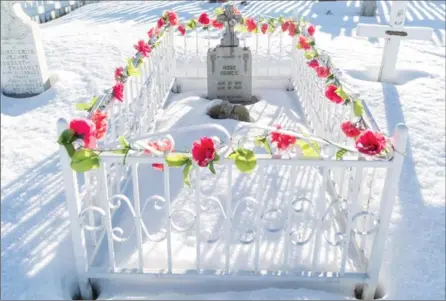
[
  {"x": 23, "y": 66},
  {"x": 229, "y": 67},
  {"x": 393, "y": 33}
]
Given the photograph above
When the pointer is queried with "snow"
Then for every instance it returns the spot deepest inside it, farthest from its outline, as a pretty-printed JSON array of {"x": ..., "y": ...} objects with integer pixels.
[{"x": 85, "y": 46}]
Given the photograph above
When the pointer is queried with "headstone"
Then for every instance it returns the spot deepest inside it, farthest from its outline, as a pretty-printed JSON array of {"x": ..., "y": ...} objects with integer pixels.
[
  {"x": 368, "y": 8},
  {"x": 23, "y": 65},
  {"x": 229, "y": 67},
  {"x": 393, "y": 33}
]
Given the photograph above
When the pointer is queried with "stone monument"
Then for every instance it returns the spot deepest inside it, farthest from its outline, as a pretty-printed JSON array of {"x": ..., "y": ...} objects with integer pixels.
[
  {"x": 24, "y": 71},
  {"x": 229, "y": 67}
]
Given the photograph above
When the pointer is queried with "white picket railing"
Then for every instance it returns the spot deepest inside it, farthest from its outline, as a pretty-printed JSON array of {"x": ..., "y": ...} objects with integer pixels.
[
  {"x": 357, "y": 193},
  {"x": 42, "y": 11}
]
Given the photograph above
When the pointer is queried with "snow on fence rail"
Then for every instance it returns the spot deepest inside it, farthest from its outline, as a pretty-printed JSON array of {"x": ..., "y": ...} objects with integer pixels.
[{"x": 361, "y": 191}]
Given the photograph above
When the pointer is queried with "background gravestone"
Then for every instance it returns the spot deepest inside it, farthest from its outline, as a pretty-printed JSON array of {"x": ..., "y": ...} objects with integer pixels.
[
  {"x": 23, "y": 65},
  {"x": 229, "y": 67}
]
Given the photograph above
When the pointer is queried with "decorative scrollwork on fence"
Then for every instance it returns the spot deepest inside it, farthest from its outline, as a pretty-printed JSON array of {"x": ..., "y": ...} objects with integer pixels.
[
  {"x": 91, "y": 209},
  {"x": 248, "y": 233}
]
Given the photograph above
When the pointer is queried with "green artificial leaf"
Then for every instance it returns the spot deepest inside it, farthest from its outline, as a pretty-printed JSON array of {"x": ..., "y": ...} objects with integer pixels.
[
  {"x": 341, "y": 93},
  {"x": 211, "y": 168},
  {"x": 271, "y": 21},
  {"x": 340, "y": 153},
  {"x": 87, "y": 106},
  {"x": 139, "y": 63},
  {"x": 358, "y": 108},
  {"x": 123, "y": 142},
  {"x": 216, "y": 158},
  {"x": 245, "y": 160},
  {"x": 66, "y": 137},
  {"x": 205, "y": 27},
  {"x": 84, "y": 159},
  {"x": 309, "y": 54},
  {"x": 186, "y": 172},
  {"x": 311, "y": 149},
  {"x": 70, "y": 149},
  {"x": 176, "y": 159},
  {"x": 121, "y": 151},
  {"x": 263, "y": 141},
  {"x": 219, "y": 11},
  {"x": 232, "y": 155},
  {"x": 191, "y": 24},
  {"x": 131, "y": 69},
  {"x": 312, "y": 43},
  {"x": 280, "y": 20}
]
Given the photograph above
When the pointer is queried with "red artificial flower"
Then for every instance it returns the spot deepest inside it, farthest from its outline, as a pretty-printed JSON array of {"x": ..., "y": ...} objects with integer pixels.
[
  {"x": 172, "y": 17},
  {"x": 84, "y": 129},
  {"x": 285, "y": 25},
  {"x": 119, "y": 73},
  {"x": 330, "y": 93},
  {"x": 370, "y": 143},
  {"x": 203, "y": 151},
  {"x": 264, "y": 28},
  {"x": 313, "y": 63},
  {"x": 160, "y": 23},
  {"x": 283, "y": 141},
  {"x": 251, "y": 24},
  {"x": 151, "y": 32},
  {"x": 118, "y": 91},
  {"x": 204, "y": 19},
  {"x": 182, "y": 30},
  {"x": 217, "y": 24},
  {"x": 303, "y": 43},
  {"x": 311, "y": 29},
  {"x": 165, "y": 146},
  {"x": 350, "y": 129},
  {"x": 143, "y": 48},
  {"x": 322, "y": 71},
  {"x": 292, "y": 29},
  {"x": 99, "y": 118}
]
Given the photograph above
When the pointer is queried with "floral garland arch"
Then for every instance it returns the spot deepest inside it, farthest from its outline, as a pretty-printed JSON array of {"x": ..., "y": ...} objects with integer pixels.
[{"x": 204, "y": 151}]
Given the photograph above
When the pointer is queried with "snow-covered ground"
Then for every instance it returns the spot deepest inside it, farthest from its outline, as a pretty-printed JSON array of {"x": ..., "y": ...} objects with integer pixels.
[{"x": 85, "y": 46}]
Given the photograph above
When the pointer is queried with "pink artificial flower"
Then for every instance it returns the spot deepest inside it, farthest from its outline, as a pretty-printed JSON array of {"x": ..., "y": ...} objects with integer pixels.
[
  {"x": 217, "y": 24},
  {"x": 264, "y": 28},
  {"x": 151, "y": 32},
  {"x": 285, "y": 25},
  {"x": 160, "y": 23},
  {"x": 119, "y": 73},
  {"x": 283, "y": 141},
  {"x": 203, "y": 151},
  {"x": 99, "y": 118},
  {"x": 322, "y": 71},
  {"x": 118, "y": 91},
  {"x": 311, "y": 29},
  {"x": 251, "y": 24},
  {"x": 84, "y": 129},
  {"x": 143, "y": 48},
  {"x": 370, "y": 143},
  {"x": 172, "y": 17},
  {"x": 303, "y": 43},
  {"x": 182, "y": 30},
  {"x": 165, "y": 146},
  {"x": 204, "y": 19},
  {"x": 313, "y": 63},
  {"x": 292, "y": 29},
  {"x": 350, "y": 129},
  {"x": 330, "y": 93}
]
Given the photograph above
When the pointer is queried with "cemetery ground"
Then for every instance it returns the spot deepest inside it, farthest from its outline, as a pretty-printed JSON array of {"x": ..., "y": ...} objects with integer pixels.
[{"x": 84, "y": 47}]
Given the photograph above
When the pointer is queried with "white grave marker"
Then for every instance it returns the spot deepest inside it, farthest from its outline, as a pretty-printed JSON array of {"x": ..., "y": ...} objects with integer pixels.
[
  {"x": 23, "y": 65},
  {"x": 393, "y": 33},
  {"x": 229, "y": 67}
]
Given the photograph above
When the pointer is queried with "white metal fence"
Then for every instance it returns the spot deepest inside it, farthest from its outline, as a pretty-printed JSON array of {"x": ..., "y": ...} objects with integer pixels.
[
  {"x": 350, "y": 211},
  {"x": 42, "y": 11}
]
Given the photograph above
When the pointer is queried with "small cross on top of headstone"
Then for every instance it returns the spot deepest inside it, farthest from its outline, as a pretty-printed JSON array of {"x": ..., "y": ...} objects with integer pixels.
[{"x": 231, "y": 19}]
